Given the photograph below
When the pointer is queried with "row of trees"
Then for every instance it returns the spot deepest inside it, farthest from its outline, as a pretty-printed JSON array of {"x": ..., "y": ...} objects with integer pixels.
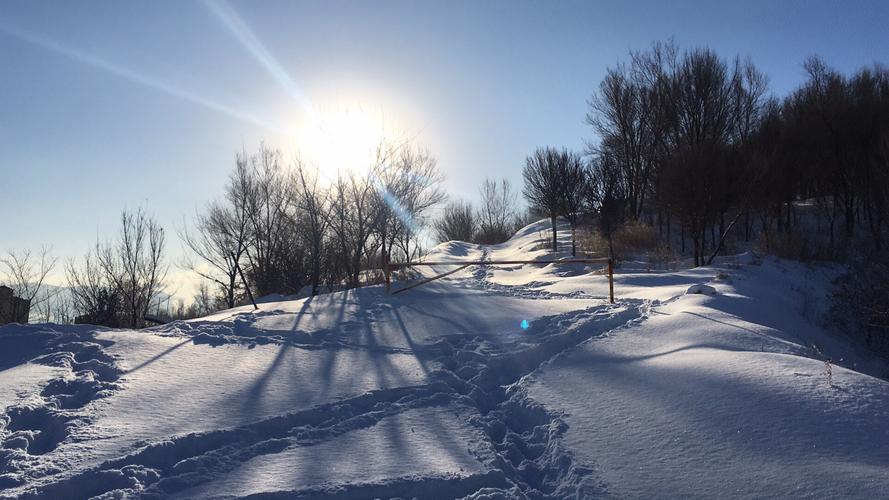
[
  {"x": 289, "y": 230},
  {"x": 829, "y": 140},
  {"x": 561, "y": 183},
  {"x": 694, "y": 140},
  {"x": 495, "y": 220},
  {"x": 278, "y": 228},
  {"x": 118, "y": 282},
  {"x": 678, "y": 132}
]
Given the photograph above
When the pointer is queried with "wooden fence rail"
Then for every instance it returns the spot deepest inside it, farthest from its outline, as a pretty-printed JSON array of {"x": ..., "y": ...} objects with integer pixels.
[{"x": 389, "y": 267}]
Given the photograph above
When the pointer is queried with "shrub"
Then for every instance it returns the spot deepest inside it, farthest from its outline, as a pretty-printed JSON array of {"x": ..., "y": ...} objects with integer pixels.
[
  {"x": 664, "y": 257},
  {"x": 864, "y": 292},
  {"x": 635, "y": 238},
  {"x": 796, "y": 245}
]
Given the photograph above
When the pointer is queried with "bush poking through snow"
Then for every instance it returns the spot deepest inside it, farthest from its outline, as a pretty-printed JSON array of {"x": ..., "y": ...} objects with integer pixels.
[
  {"x": 664, "y": 257},
  {"x": 828, "y": 365},
  {"x": 865, "y": 292},
  {"x": 701, "y": 290}
]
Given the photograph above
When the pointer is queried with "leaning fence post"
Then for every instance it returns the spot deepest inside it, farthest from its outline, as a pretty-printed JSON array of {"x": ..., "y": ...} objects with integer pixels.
[{"x": 611, "y": 279}]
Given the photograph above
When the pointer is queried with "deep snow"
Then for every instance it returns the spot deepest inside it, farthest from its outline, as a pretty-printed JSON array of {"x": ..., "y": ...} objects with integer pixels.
[{"x": 440, "y": 392}]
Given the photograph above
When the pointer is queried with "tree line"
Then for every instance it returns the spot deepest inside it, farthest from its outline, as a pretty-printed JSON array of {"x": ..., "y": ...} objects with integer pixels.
[
  {"x": 691, "y": 141},
  {"x": 277, "y": 228},
  {"x": 496, "y": 218}
]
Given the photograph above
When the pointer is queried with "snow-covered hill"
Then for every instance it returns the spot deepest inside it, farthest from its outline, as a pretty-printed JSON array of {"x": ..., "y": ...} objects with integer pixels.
[{"x": 497, "y": 381}]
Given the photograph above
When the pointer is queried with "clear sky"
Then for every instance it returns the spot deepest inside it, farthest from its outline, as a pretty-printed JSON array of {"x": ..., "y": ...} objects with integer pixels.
[{"x": 106, "y": 105}]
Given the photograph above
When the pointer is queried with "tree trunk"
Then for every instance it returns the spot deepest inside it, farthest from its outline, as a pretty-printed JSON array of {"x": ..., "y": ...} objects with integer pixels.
[
  {"x": 703, "y": 242},
  {"x": 789, "y": 222},
  {"x": 682, "y": 237},
  {"x": 723, "y": 237},
  {"x": 316, "y": 276},
  {"x": 669, "y": 240},
  {"x": 230, "y": 299},
  {"x": 573, "y": 241},
  {"x": 780, "y": 220},
  {"x": 555, "y": 240},
  {"x": 356, "y": 269}
]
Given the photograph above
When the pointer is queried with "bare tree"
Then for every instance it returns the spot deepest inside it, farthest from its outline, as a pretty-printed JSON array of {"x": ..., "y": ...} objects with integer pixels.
[
  {"x": 94, "y": 298},
  {"x": 313, "y": 210},
  {"x": 354, "y": 212},
  {"x": 608, "y": 197},
  {"x": 223, "y": 233},
  {"x": 456, "y": 223},
  {"x": 25, "y": 272},
  {"x": 701, "y": 126},
  {"x": 425, "y": 192},
  {"x": 623, "y": 113},
  {"x": 497, "y": 212},
  {"x": 268, "y": 201},
  {"x": 574, "y": 192},
  {"x": 544, "y": 186},
  {"x": 134, "y": 264},
  {"x": 203, "y": 302},
  {"x": 408, "y": 184},
  {"x": 63, "y": 308}
]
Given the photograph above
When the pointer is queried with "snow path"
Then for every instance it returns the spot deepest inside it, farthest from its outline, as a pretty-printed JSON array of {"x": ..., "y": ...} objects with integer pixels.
[
  {"x": 472, "y": 373},
  {"x": 412, "y": 445}
]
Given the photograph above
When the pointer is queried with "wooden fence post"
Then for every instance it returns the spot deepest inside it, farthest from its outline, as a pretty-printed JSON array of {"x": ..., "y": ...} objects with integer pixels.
[{"x": 611, "y": 280}]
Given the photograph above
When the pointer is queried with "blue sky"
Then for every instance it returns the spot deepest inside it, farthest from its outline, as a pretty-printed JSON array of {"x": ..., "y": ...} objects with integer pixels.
[{"x": 116, "y": 104}]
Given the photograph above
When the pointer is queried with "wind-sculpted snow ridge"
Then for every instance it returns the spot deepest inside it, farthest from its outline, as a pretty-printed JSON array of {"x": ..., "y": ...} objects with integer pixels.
[
  {"x": 511, "y": 446},
  {"x": 38, "y": 425}
]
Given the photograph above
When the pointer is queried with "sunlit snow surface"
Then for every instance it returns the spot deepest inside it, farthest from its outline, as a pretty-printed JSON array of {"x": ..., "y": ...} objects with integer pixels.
[
  {"x": 413, "y": 444},
  {"x": 497, "y": 381}
]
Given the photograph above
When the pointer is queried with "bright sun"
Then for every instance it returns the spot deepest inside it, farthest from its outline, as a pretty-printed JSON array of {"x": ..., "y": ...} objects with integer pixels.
[{"x": 340, "y": 140}]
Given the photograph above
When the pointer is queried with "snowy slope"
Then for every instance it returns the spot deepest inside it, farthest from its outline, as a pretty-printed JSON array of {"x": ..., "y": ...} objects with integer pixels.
[
  {"x": 717, "y": 396},
  {"x": 497, "y": 381}
]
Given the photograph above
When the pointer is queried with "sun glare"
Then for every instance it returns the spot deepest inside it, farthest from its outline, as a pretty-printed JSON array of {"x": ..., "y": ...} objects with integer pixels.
[{"x": 340, "y": 140}]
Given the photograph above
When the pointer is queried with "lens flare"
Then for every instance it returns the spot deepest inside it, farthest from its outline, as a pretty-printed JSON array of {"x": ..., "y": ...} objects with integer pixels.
[
  {"x": 136, "y": 77},
  {"x": 233, "y": 22}
]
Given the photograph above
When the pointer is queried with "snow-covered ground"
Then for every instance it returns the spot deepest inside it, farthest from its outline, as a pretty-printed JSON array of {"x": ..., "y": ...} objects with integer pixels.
[{"x": 495, "y": 382}]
